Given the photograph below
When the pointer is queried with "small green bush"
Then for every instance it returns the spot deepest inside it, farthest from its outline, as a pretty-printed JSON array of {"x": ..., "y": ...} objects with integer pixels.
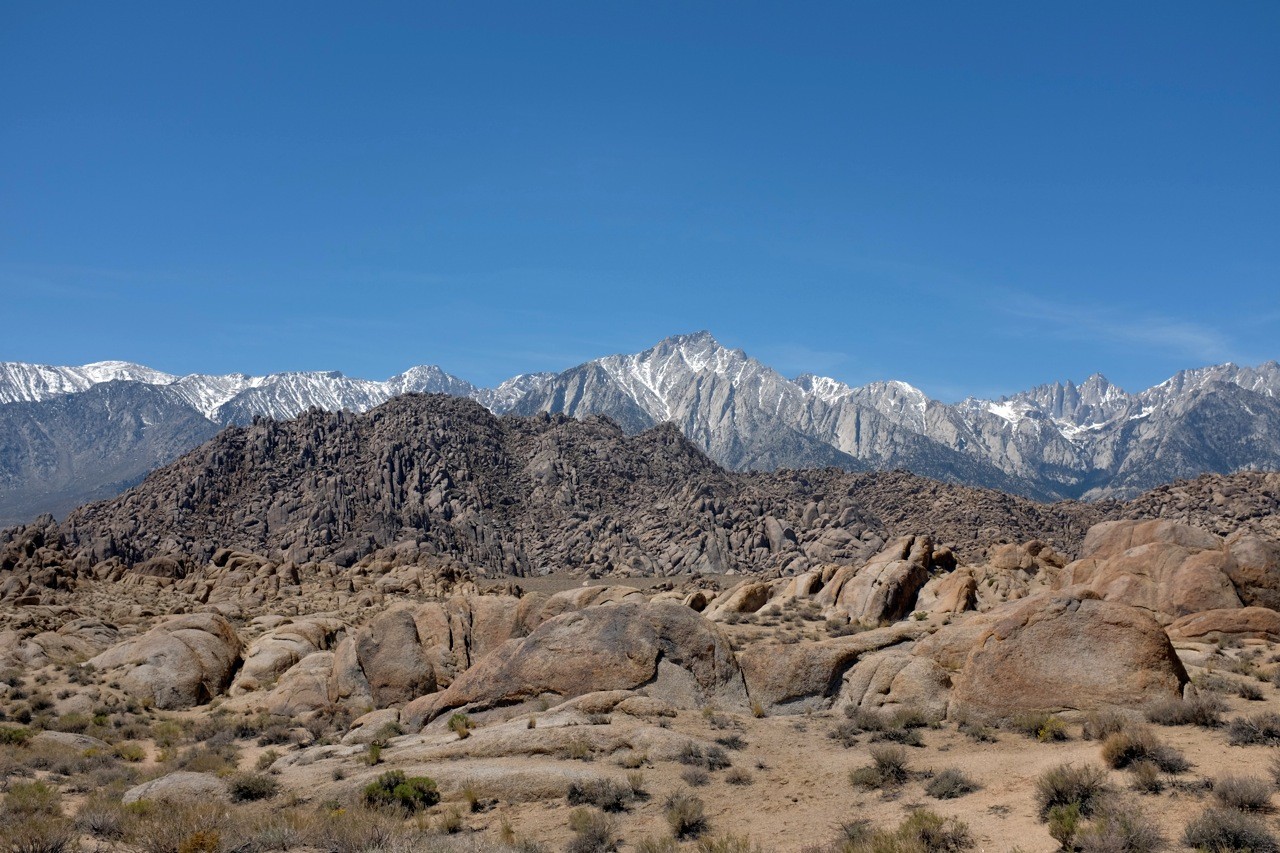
[
  {"x": 1041, "y": 725},
  {"x": 460, "y": 724},
  {"x": 14, "y": 735},
  {"x": 392, "y": 789}
]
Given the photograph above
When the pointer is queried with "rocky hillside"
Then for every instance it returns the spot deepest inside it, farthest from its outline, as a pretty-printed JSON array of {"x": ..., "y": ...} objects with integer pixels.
[{"x": 432, "y": 477}]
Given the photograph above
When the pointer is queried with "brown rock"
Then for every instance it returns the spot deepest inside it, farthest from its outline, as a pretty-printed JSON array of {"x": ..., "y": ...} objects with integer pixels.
[
  {"x": 1065, "y": 651},
  {"x": 1260, "y": 623},
  {"x": 884, "y": 589}
]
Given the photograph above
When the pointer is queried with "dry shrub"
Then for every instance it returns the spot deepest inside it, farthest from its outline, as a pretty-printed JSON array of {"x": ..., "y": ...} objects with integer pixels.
[
  {"x": 1119, "y": 828},
  {"x": 593, "y": 832},
  {"x": 1202, "y": 710},
  {"x": 174, "y": 827},
  {"x": 922, "y": 831},
  {"x": 1041, "y": 725},
  {"x": 728, "y": 844},
  {"x": 1257, "y": 730},
  {"x": 1245, "y": 793},
  {"x": 1064, "y": 785},
  {"x": 604, "y": 794},
  {"x": 1221, "y": 830},
  {"x": 1138, "y": 743},
  {"x": 685, "y": 814},
  {"x": 949, "y": 784}
]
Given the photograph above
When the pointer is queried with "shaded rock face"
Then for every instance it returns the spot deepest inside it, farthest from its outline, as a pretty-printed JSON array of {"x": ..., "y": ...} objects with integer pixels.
[
  {"x": 182, "y": 662},
  {"x": 1066, "y": 651},
  {"x": 1256, "y": 569},
  {"x": 679, "y": 656}
]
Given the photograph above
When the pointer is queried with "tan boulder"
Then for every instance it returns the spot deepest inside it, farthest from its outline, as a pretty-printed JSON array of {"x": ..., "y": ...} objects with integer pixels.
[
  {"x": 793, "y": 678},
  {"x": 1256, "y": 569},
  {"x": 885, "y": 588},
  {"x": 181, "y": 787},
  {"x": 956, "y": 592},
  {"x": 1068, "y": 650},
  {"x": 681, "y": 657},
  {"x": 746, "y": 597},
  {"x": 1261, "y": 623},
  {"x": 184, "y": 661},
  {"x": 274, "y": 652},
  {"x": 1169, "y": 569},
  {"x": 303, "y": 688}
]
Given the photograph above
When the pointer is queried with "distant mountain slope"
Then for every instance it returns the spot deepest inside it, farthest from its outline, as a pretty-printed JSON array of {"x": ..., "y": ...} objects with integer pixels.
[
  {"x": 58, "y": 454},
  {"x": 1058, "y": 440}
]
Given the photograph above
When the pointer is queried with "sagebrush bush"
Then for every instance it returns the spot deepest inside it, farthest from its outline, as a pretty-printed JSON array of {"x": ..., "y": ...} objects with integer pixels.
[
  {"x": 1119, "y": 828},
  {"x": 1203, "y": 710},
  {"x": 1147, "y": 777},
  {"x": 922, "y": 831},
  {"x": 1259, "y": 729},
  {"x": 1220, "y": 830},
  {"x": 246, "y": 787},
  {"x": 604, "y": 794},
  {"x": 1066, "y": 784},
  {"x": 1138, "y": 743},
  {"x": 685, "y": 814},
  {"x": 949, "y": 784},
  {"x": 1041, "y": 725},
  {"x": 1246, "y": 793},
  {"x": 393, "y": 789}
]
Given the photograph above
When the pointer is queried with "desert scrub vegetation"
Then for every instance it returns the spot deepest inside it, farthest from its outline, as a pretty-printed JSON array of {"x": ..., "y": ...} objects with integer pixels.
[
  {"x": 1066, "y": 786},
  {"x": 604, "y": 794},
  {"x": 1138, "y": 743},
  {"x": 949, "y": 784},
  {"x": 1245, "y": 793},
  {"x": 1041, "y": 725},
  {"x": 685, "y": 815},
  {"x": 902, "y": 726},
  {"x": 1202, "y": 710},
  {"x": 1117, "y": 827},
  {"x": 888, "y": 768},
  {"x": 1220, "y": 830},
  {"x": 246, "y": 787},
  {"x": 460, "y": 724},
  {"x": 593, "y": 832},
  {"x": 922, "y": 831},
  {"x": 393, "y": 790},
  {"x": 1256, "y": 730}
]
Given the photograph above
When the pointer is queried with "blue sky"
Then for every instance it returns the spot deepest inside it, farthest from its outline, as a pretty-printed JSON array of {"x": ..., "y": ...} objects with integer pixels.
[{"x": 972, "y": 197}]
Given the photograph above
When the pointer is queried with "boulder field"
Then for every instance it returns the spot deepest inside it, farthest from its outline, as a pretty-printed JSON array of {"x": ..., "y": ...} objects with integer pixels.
[{"x": 908, "y": 628}]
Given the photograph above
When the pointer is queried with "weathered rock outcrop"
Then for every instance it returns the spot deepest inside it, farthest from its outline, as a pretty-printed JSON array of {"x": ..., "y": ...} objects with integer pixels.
[
  {"x": 1063, "y": 651},
  {"x": 184, "y": 661},
  {"x": 1168, "y": 569},
  {"x": 885, "y": 588},
  {"x": 1260, "y": 623},
  {"x": 677, "y": 654}
]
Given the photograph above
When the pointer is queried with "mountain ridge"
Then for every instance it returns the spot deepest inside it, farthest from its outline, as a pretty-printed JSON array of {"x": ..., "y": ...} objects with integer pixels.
[{"x": 1057, "y": 440}]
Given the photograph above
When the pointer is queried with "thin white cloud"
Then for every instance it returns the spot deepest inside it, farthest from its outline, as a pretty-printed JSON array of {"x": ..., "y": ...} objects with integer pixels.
[{"x": 1106, "y": 325}]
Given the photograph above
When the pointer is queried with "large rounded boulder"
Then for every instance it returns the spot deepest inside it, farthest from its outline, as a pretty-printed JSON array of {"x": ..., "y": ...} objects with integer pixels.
[
  {"x": 1066, "y": 651},
  {"x": 182, "y": 662},
  {"x": 678, "y": 655}
]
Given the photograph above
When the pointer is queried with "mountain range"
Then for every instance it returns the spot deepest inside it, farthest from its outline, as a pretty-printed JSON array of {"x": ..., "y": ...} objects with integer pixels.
[{"x": 73, "y": 434}]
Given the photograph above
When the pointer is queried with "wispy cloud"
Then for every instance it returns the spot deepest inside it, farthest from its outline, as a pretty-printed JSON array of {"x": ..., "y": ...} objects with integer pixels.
[{"x": 1111, "y": 326}]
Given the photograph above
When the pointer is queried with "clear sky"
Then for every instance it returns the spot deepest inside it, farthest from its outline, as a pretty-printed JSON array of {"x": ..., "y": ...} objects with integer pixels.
[{"x": 973, "y": 197}]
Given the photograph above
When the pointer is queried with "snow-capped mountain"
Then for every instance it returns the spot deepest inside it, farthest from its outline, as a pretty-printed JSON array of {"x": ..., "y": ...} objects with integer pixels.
[{"x": 1056, "y": 440}]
